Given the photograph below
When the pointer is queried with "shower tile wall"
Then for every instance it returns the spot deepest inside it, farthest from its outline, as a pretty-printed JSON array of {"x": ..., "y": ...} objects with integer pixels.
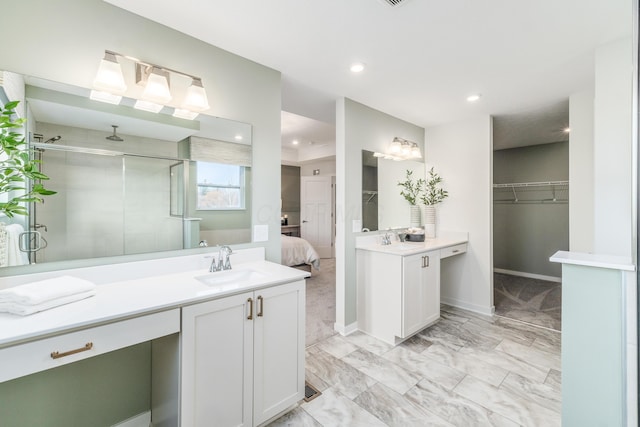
[{"x": 88, "y": 215}]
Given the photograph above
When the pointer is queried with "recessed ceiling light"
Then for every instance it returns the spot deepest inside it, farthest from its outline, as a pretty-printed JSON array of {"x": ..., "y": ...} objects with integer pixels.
[
  {"x": 566, "y": 130},
  {"x": 357, "y": 67},
  {"x": 295, "y": 142},
  {"x": 238, "y": 137},
  {"x": 473, "y": 98}
]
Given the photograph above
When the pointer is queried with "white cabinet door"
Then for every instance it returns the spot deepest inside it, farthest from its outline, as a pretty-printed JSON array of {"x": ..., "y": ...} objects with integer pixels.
[
  {"x": 278, "y": 349},
  {"x": 217, "y": 363},
  {"x": 420, "y": 291}
]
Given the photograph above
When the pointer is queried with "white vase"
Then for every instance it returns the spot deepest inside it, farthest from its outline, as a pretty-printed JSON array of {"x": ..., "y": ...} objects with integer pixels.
[
  {"x": 429, "y": 220},
  {"x": 414, "y": 216}
]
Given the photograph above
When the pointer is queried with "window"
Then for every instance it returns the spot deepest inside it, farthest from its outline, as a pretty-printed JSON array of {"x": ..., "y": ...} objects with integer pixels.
[{"x": 220, "y": 186}]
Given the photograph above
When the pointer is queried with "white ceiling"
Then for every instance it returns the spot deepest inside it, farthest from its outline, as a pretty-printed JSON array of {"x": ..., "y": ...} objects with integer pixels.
[{"x": 422, "y": 58}]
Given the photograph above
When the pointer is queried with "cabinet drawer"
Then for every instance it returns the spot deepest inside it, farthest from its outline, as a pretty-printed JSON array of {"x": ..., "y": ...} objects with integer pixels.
[
  {"x": 36, "y": 356},
  {"x": 453, "y": 250}
]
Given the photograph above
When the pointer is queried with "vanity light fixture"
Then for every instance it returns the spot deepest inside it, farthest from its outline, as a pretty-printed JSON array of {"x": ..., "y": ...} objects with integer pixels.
[
  {"x": 109, "y": 86},
  {"x": 196, "y": 99},
  {"x": 401, "y": 149},
  {"x": 109, "y": 77},
  {"x": 156, "y": 83},
  {"x": 295, "y": 142}
]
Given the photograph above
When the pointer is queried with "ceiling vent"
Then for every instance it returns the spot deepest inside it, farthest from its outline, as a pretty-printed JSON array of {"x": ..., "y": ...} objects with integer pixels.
[{"x": 394, "y": 3}]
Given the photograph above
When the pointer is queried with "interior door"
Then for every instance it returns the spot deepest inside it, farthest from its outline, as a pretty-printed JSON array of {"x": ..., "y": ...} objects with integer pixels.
[{"x": 316, "y": 213}]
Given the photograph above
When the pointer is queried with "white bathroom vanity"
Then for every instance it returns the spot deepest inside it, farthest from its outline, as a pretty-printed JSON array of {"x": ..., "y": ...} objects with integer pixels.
[{"x": 227, "y": 348}]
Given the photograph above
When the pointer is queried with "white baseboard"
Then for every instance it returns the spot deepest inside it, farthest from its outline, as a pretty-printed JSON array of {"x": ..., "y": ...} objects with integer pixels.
[
  {"x": 528, "y": 275},
  {"x": 140, "y": 420},
  {"x": 485, "y": 311},
  {"x": 345, "y": 330}
]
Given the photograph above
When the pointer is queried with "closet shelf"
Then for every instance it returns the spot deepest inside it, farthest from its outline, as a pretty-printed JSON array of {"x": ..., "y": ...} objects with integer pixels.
[
  {"x": 532, "y": 184},
  {"x": 369, "y": 193},
  {"x": 532, "y": 192}
]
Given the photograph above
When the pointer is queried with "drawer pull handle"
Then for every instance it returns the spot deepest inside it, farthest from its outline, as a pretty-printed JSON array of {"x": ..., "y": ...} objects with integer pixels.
[
  {"x": 260, "y": 303},
  {"x": 250, "y": 302},
  {"x": 58, "y": 355},
  {"x": 455, "y": 251}
]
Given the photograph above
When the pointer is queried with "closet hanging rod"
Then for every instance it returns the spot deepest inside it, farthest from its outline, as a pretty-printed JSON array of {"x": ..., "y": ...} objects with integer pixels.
[{"x": 531, "y": 184}]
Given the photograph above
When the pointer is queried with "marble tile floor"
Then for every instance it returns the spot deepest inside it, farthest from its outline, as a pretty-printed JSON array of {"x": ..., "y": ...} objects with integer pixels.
[
  {"x": 466, "y": 370},
  {"x": 534, "y": 301}
]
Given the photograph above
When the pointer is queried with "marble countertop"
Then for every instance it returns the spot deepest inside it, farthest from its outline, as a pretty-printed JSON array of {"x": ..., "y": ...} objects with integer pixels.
[
  {"x": 410, "y": 248},
  {"x": 125, "y": 299}
]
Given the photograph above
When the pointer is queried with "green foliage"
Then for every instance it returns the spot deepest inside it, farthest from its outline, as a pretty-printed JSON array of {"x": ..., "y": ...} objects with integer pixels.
[
  {"x": 432, "y": 195},
  {"x": 411, "y": 189},
  {"x": 16, "y": 167}
]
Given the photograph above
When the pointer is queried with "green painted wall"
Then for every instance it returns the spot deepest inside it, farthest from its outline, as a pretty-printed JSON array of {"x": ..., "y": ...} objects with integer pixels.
[
  {"x": 99, "y": 391},
  {"x": 593, "y": 340},
  {"x": 525, "y": 234},
  {"x": 64, "y": 40},
  {"x": 358, "y": 128}
]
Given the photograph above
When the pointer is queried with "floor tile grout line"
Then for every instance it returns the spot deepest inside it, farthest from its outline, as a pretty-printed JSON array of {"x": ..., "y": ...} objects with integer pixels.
[{"x": 528, "y": 323}]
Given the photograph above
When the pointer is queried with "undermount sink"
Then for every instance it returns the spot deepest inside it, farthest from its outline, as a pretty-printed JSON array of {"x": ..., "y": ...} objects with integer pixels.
[
  {"x": 400, "y": 246},
  {"x": 230, "y": 276}
]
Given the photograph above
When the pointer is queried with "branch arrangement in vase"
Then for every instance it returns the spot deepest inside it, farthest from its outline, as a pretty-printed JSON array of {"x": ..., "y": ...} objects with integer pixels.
[
  {"x": 427, "y": 192},
  {"x": 411, "y": 190},
  {"x": 16, "y": 166},
  {"x": 432, "y": 194}
]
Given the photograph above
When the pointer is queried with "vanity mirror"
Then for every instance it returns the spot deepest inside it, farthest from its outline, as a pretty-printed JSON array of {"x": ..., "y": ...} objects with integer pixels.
[
  {"x": 382, "y": 205},
  {"x": 127, "y": 181}
]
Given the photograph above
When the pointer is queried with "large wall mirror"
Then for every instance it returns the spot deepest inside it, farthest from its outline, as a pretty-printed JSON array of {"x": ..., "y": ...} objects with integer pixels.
[
  {"x": 127, "y": 181},
  {"x": 382, "y": 205}
]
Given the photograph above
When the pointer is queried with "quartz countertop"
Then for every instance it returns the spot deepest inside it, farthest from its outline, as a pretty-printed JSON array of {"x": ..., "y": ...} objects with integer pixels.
[
  {"x": 125, "y": 299},
  {"x": 594, "y": 260},
  {"x": 410, "y": 248}
]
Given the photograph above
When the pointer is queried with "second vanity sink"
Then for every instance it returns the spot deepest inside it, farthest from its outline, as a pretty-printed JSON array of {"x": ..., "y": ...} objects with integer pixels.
[{"x": 229, "y": 276}]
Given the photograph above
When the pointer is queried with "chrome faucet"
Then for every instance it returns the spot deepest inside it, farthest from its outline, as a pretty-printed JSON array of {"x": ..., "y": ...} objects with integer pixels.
[
  {"x": 223, "y": 262},
  {"x": 226, "y": 251},
  {"x": 386, "y": 239}
]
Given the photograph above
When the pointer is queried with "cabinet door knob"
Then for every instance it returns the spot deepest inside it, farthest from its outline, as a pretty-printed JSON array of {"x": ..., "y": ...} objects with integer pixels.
[
  {"x": 250, "y": 302},
  {"x": 260, "y": 303}
]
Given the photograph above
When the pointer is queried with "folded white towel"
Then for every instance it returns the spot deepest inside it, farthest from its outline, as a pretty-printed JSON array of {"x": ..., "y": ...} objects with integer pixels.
[
  {"x": 45, "y": 290},
  {"x": 23, "y": 310}
]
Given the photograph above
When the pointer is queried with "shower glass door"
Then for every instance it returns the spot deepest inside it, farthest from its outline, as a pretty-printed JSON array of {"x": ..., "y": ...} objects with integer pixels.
[
  {"x": 107, "y": 204},
  {"x": 85, "y": 218},
  {"x": 148, "y": 224}
]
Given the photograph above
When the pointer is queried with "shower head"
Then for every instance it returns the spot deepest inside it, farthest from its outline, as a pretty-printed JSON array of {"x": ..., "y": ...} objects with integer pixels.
[
  {"x": 52, "y": 140},
  {"x": 114, "y": 137}
]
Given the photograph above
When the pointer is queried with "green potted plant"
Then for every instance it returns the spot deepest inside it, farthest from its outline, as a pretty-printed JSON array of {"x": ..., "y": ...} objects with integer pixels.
[
  {"x": 16, "y": 167},
  {"x": 430, "y": 196},
  {"x": 411, "y": 191}
]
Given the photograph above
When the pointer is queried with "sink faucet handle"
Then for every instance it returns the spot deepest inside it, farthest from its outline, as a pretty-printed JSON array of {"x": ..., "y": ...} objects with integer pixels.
[{"x": 226, "y": 251}]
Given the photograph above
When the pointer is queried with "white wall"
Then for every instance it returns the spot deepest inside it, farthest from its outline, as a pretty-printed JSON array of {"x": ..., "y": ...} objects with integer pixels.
[
  {"x": 327, "y": 167},
  {"x": 358, "y": 128},
  {"x": 64, "y": 40},
  {"x": 462, "y": 154},
  {"x": 613, "y": 234},
  {"x": 581, "y": 181}
]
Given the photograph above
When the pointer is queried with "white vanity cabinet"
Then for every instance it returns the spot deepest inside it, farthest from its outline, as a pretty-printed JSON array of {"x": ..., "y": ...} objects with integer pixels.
[
  {"x": 242, "y": 357},
  {"x": 397, "y": 295},
  {"x": 420, "y": 291}
]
